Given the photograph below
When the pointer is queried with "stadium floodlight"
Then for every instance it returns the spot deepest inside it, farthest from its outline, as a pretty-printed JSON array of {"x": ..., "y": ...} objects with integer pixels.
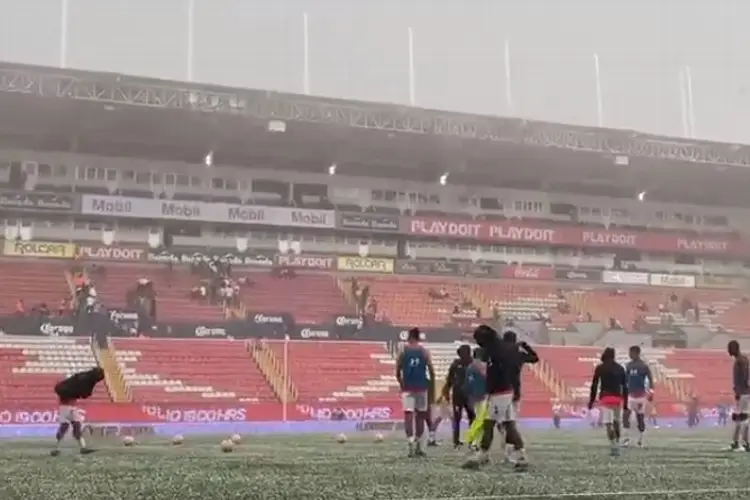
[
  {"x": 11, "y": 231},
  {"x": 26, "y": 230},
  {"x": 241, "y": 244},
  {"x": 154, "y": 238},
  {"x": 364, "y": 249},
  {"x": 332, "y": 169},
  {"x": 642, "y": 196},
  {"x": 444, "y": 179},
  {"x": 108, "y": 236},
  {"x": 208, "y": 160}
]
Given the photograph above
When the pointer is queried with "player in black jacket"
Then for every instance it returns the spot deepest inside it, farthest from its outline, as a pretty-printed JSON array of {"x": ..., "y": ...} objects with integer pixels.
[
  {"x": 611, "y": 385},
  {"x": 69, "y": 391},
  {"x": 455, "y": 391},
  {"x": 525, "y": 355},
  {"x": 503, "y": 363}
]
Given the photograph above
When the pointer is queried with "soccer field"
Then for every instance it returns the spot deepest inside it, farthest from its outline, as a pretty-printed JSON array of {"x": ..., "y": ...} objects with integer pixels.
[{"x": 565, "y": 464}]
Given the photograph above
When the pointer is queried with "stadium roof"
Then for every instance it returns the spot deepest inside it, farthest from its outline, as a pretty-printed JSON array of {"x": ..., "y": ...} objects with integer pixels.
[{"x": 119, "y": 115}]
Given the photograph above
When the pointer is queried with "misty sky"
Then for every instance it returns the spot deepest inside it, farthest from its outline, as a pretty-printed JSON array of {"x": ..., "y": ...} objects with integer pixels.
[{"x": 358, "y": 49}]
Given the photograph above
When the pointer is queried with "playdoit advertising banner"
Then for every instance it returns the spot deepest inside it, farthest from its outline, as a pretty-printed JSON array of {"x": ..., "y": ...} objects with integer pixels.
[{"x": 39, "y": 249}]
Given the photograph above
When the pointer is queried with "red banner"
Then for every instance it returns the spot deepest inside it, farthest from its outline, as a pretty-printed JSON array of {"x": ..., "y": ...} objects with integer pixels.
[
  {"x": 541, "y": 233},
  {"x": 199, "y": 412}
]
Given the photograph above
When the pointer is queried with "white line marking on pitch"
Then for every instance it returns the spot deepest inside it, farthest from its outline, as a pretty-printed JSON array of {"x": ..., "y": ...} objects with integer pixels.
[{"x": 603, "y": 494}]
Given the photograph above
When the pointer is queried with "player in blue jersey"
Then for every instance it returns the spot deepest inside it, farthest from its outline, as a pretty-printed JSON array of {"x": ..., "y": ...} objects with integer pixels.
[
  {"x": 640, "y": 387},
  {"x": 415, "y": 373}
]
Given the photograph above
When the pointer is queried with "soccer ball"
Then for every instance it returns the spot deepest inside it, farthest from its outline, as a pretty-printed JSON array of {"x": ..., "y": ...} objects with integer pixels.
[
  {"x": 341, "y": 439},
  {"x": 128, "y": 440},
  {"x": 178, "y": 440},
  {"x": 227, "y": 446},
  {"x": 236, "y": 438},
  {"x": 378, "y": 438}
]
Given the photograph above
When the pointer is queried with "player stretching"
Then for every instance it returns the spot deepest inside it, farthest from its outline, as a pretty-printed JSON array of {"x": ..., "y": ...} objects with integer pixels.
[
  {"x": 640, "y": 388},
  {"x": 69, "y": 391},
  {"x": 741, "y": 378},
  {"x": 501, "y": 360},
  {"x": 611, "y": 384},
  {"x": 414, "y": 373}
]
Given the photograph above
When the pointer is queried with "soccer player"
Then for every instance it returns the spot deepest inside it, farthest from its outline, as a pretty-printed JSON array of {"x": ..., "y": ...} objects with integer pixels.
[
  {"x": 502, "y": 359},
  {"x": 476, "y": 388},
  {"x": 611, "y": 385},
  {"x": 415, "y": 373},
  {"x": 741, "y": 379},
  {"x": 640, "y": 387},
  {"x": 524, "y": 354},
  {"x": 69, "y": 391},
  {"x": 456, "y": 390}
]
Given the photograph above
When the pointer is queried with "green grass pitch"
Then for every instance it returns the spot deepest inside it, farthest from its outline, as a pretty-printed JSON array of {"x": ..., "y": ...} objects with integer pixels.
[{"x": 565, "y": 464}]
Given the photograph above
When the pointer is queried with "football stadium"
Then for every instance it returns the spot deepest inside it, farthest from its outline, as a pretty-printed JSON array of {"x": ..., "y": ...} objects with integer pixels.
[{"x": 245, "y": 268}]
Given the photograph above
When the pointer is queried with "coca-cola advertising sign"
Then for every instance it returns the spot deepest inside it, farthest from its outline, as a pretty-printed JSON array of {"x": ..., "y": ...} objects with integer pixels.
[
  {"x": 306, "y": 261},
  {"x": 528, "y": 273},
  {"x": 116, "y": 252},
  {"x": 542, "y": 233}
]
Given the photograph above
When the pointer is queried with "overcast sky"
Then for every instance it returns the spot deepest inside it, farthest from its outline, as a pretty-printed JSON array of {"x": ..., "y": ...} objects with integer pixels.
[{"x": 359, "y": 49}]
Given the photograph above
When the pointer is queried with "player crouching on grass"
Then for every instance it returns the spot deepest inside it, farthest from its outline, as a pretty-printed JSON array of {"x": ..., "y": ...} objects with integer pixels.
[
  {"x": 610, "y": 382},
  {"x": 69, "y": 391}
]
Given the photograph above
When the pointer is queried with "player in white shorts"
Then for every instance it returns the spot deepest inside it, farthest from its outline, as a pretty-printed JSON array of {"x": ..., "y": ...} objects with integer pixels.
[{"x": 69, "y": 391}]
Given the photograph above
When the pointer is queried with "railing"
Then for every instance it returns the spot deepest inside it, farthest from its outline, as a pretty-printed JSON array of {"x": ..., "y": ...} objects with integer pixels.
[{"x": 273, "y": 369}]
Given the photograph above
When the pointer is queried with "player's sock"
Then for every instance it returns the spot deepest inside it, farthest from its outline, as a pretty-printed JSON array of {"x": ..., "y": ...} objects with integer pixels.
[
  {"x": 78, "y": 435},
  {"x": 409, "y": 425},
  {"x": 487, "y": 436},
  {"x": 62, "y": 429}
]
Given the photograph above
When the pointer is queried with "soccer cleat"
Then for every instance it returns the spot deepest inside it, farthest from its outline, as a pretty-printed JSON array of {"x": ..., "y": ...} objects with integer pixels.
[
  {"x": 432, "y": 443},
  {"x": 746, "y": 447},
  {"x": 625, "y": 442},
  {"x": 733, "y": 447},
  {"x": 521, "y": 465},
  {"x": 54, "y": 453}
]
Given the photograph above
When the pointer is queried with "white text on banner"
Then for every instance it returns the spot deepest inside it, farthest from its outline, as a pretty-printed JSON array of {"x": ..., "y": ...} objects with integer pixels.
[
  {"x": 675, "y": 280},
  {"x": 625, "y": 278},
  {"x": 199, "y": 211}
]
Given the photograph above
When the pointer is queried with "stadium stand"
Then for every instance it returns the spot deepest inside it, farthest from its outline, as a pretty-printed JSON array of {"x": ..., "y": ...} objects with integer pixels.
[
  {"x": 34, "y": 282},
  {"x": 158, "y": 370},
  {"x": 340, "y": 371},
  {"x": 31, "y": 366},
  {"x": 315, "y": 298},
  {"x": 172, "y": 287}
]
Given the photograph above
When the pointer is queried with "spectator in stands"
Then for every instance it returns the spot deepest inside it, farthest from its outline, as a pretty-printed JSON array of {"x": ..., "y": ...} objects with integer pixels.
[
  {"x": 673, "y": 298},
  {"x": 662, "y": 309},
  {"x": 63, "y": 307},
  {"x": 20, "y": 308},
  {"x": 641, "y": 306},
  {"x": 614, "y": 324},
  {"x": 44, "y": 311},
  {"x": 710, "y": 311}
]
